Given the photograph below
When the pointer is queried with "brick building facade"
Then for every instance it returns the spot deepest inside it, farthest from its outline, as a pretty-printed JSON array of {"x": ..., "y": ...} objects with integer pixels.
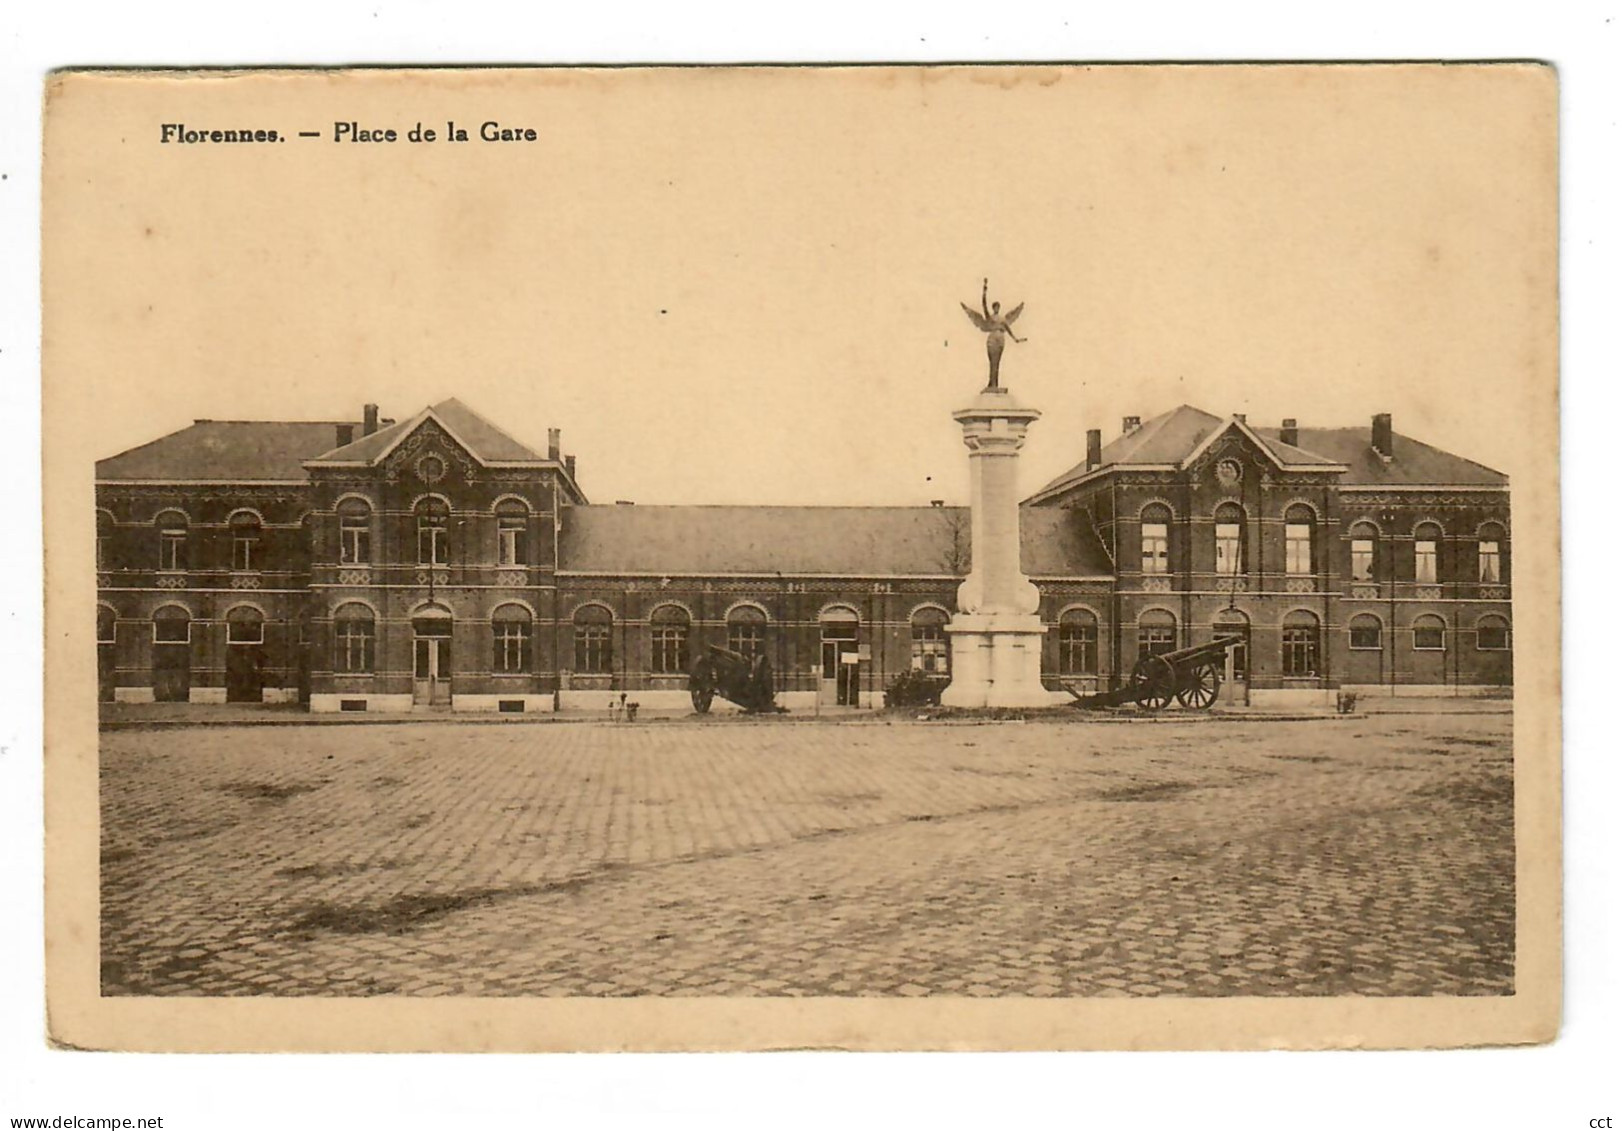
[{"x": 438, "y": 563}]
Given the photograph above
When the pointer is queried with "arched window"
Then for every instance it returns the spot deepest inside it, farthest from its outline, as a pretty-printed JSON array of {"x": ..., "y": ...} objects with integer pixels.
[
  {"x": 593, "y": 640},
  {"x": 354, "y": 532},
  {"x": 1364, "y": 538},
  {"x": 1365, "y": 632},
  {"x": 104, "y": 540},
  {"x": 106, "y": 625},
  {"x": 433, "y": 532},
  {"x": 1078, "y": 642},
  {"x": 1492, "y": 633},
  {"x": 1490, "y": 554},
  {"x": 171, "y": 541},
  {"x": 354, "y": 638},
  {"x": 929, "y": 651},
  {"x": 171, "y": 625},
  {"x": 1298, "y": 541},
  {"x": 1155, "y": 536},
  {"x": 668, "y": 627},
  {"x": 512, "y": 629},
  {"x": 245, "y": 532},
  {"x": 746, "y": 631},
  {"x": 1427, "y": 540},
  {"x": 1230, "y": 540},
  {"x": 1300, "y": 644},
  {"x": 1430, "y": 634},
  {"x": 512, "y": 533},
  {"x": 1157, "y": 633},
  {"x": 244, "y": 625}
]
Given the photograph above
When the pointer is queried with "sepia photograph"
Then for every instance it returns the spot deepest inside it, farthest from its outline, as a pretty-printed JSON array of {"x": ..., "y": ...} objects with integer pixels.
[{"x": 866, "y": 557}]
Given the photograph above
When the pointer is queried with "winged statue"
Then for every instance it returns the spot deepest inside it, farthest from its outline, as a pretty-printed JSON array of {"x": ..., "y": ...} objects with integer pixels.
[{"x": 996, "y": 326}]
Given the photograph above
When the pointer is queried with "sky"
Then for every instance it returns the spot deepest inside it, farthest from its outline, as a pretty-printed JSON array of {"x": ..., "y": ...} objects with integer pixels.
[{"x": 743, "y": 286}]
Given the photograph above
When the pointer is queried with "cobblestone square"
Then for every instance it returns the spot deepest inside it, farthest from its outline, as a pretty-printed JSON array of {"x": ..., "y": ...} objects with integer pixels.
[{"x": 1370, "y": 856}]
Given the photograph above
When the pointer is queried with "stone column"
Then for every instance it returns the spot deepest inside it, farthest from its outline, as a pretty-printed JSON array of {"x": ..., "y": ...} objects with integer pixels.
[{"x": 996, "y": 633}]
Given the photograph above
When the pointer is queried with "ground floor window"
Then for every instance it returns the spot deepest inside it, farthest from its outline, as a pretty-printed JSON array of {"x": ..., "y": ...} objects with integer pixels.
[
  {"x": 1365, "y": 632},
  {"x": 930, "y": 653},
  {"x": 1300, "y": 645},
  {"x": 512, "y": 633},
  {"x": 1492, "y": 633},
  {"x": 354, "y": 639},
  {"x": 746, "y": 631},
  {"x": 1157, "y": 633},
  {"x": 1430, "y": 634},
  {"x": 669, "y": 628},
  {"x": 593, "y": 640},
  {"x": 1078, "y": 642}
]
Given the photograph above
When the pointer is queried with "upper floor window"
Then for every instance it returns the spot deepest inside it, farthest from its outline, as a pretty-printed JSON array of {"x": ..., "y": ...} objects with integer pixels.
[
  {"x": 512, "y": 630},
  {"x": 1298, "y": 539},
  {"x": 354, "y": 532},
  {"x": 171, "y": 540},
  {"x": 929, "y": 650},
  {"x": 1492, "y": 633},
  {"x": 1489, "y": 555},
  {"x": 1363, "y": 539},
  {"x": 669, "y": 627},
  {"x": 746, "y": 631},
  {"x": 104, "y": 540},
  {"x": 512, "y": 533},
  {"x": 1155, "y": 532},
  {"x": 433, "y": 532},
  {"x": 1430, "y": 634},
  {"x": 171, "y": 625},
  {"x": 1157, "y": 633},
  {"x": 1427, "y": 538},
  {"x": 1078, "y": 642},
  {"x": 1230, "y": 542},
  {"x": 1365, "y": 631},
  {"x": 1300, "y": 644},
  {"x": 354, "y": 637},
  {"x": 245, "y": 531},
  {"x": 593, "y": 640}
]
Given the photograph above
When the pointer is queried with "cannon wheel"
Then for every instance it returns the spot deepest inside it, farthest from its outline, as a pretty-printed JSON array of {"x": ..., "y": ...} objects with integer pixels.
[
  {"x": 701, "y": 684},
  {"x": 1200, "y": 689},
  {"x": 1154, "y": 682}
]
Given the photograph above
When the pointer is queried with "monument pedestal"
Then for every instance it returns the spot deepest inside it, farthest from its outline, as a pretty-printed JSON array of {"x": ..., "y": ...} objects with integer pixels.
[{"x": 996, "y": 634}]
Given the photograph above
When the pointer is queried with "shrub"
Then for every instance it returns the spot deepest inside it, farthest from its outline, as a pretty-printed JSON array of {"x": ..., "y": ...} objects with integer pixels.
[{"x": 915, "y": 689}]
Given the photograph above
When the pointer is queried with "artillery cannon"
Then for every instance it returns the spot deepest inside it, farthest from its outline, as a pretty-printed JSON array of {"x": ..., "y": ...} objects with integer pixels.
[
  {"x": 1191, "y": 675},
  {"x": 733, "y": 676}
]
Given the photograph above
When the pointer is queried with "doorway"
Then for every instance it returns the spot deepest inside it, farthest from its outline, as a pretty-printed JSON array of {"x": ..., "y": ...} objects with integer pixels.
[
  {"x": 244, "y": 655},
  {"x": 171, "y": 655},
  {"x": 841, "y": 681},
  {"x": 1236, "y": 663},
  {"x": 432, "y": 663}
]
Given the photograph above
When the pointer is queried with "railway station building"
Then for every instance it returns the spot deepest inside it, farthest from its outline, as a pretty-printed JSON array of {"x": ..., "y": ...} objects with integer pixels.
[{"x": 438, "y": 563}]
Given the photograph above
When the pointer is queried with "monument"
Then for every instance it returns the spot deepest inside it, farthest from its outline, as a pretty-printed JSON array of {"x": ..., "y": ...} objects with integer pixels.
[{"x": 996, "y": 633}]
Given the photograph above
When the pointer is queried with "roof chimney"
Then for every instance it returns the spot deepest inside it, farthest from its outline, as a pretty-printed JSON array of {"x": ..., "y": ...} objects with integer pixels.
[
  {"x": 1130, "y": 424},
  {"x": 1288, "y": 433},
  {"x": 568, "y": 465},
  {"x": 1095, "y": 447},
  {"x": 1381, "y": 438},
  {"x": 370, "y": 424},
  {"x": 624, "y": 503},
  {"x": 554, "y": 441},
  {"x": 346, "y": 434},
  {"x": 937, "y": 502},
  {"x": 1239, "y": 416}
]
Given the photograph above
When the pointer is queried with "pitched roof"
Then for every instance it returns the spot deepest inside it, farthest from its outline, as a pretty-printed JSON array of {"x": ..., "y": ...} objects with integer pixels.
[
  {"x": 1413, "y": 463},
  {"x": 483, "y": 440},
  {"x": 1170, "y": 439},
  {"x": 852, "y": 541},
  {"x": 226, "y": 451}
]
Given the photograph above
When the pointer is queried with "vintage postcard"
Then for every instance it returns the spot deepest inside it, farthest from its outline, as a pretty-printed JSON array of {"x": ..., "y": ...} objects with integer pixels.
[{"x": 962, "y": 557}]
